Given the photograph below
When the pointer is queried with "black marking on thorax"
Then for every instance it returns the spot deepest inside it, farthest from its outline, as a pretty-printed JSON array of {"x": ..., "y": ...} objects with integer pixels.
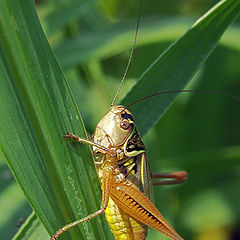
[
  {"x": 135, "y": 143},
  {"x": 131, "y": 165}
]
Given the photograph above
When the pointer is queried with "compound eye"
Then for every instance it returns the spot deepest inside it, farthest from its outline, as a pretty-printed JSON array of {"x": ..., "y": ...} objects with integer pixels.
[{"x": 125, "y": 124}]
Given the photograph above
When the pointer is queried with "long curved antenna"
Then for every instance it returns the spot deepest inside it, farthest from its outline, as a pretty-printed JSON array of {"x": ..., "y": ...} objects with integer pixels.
[
  {"x": 186, "y": 91},
  {"x": 131, "y": 54}
]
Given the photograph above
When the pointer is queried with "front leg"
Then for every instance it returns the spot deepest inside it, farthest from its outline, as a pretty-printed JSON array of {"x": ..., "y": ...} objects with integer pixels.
[
  {"x": 106, "y": 188},
  {"x": 103, "y": 149}
]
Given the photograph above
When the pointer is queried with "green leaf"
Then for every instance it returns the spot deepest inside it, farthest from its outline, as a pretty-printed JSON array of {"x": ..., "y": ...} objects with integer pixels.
[
  {"x": 37, "y": 108},
  {"x": 65, "y": 13},
  {"x": 32, "y": 229},
  {"x": 118, "y": 38},
  {"x": 13, "y": 205},
  {"x": 174, "y": 68}
]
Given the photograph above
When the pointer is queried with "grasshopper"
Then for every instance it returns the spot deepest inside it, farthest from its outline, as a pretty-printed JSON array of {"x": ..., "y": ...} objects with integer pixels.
[{"x": 125, "y": 176}]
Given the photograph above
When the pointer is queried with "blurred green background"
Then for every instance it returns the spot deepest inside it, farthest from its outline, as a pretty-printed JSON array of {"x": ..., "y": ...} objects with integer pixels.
[{"x": 200, "y": 133}]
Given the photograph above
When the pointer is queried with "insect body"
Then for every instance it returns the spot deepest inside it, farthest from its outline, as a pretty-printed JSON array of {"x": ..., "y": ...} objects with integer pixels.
[
  {"x": 125, "y": 177},
  {"x": 116, "y": 130},
  {"x": 130, "y": 206},
  {"x": 126, "y": 180}
]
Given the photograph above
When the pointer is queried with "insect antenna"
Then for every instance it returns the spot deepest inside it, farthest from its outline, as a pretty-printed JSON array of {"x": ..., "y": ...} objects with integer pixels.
[
  {"x": 186, "y": 91},
  {"x": 130, "y": 57}
]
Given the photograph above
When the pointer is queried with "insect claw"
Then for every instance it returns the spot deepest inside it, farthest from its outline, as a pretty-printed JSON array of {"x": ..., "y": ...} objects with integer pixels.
[
  {"x": 57, "y": 234},
  {"x": 67, "y": 135}
]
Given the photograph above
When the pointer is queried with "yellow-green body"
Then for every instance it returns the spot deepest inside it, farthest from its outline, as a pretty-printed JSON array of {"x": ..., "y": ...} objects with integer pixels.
[
  {"x": 125, "y": 177},
  {"x": 134, "y": 164}
]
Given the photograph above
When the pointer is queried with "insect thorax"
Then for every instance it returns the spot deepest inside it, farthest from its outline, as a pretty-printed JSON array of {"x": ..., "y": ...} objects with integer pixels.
[{"x": 126, "y": 162}]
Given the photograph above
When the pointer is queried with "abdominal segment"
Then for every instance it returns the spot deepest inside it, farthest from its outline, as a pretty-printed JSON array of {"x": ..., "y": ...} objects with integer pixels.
[{"x": 122, "y": 225}]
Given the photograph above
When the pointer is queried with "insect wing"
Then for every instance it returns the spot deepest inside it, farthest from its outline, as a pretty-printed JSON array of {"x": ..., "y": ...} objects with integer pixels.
[{"x": 145, "y": 176}]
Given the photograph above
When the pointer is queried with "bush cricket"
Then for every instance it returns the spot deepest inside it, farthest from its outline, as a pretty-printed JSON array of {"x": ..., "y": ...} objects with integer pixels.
[{"x": 125, "y": 176}]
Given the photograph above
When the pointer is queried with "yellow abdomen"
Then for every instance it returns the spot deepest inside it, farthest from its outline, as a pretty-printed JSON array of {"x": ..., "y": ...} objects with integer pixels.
[{"x": 122, "y": 225}]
